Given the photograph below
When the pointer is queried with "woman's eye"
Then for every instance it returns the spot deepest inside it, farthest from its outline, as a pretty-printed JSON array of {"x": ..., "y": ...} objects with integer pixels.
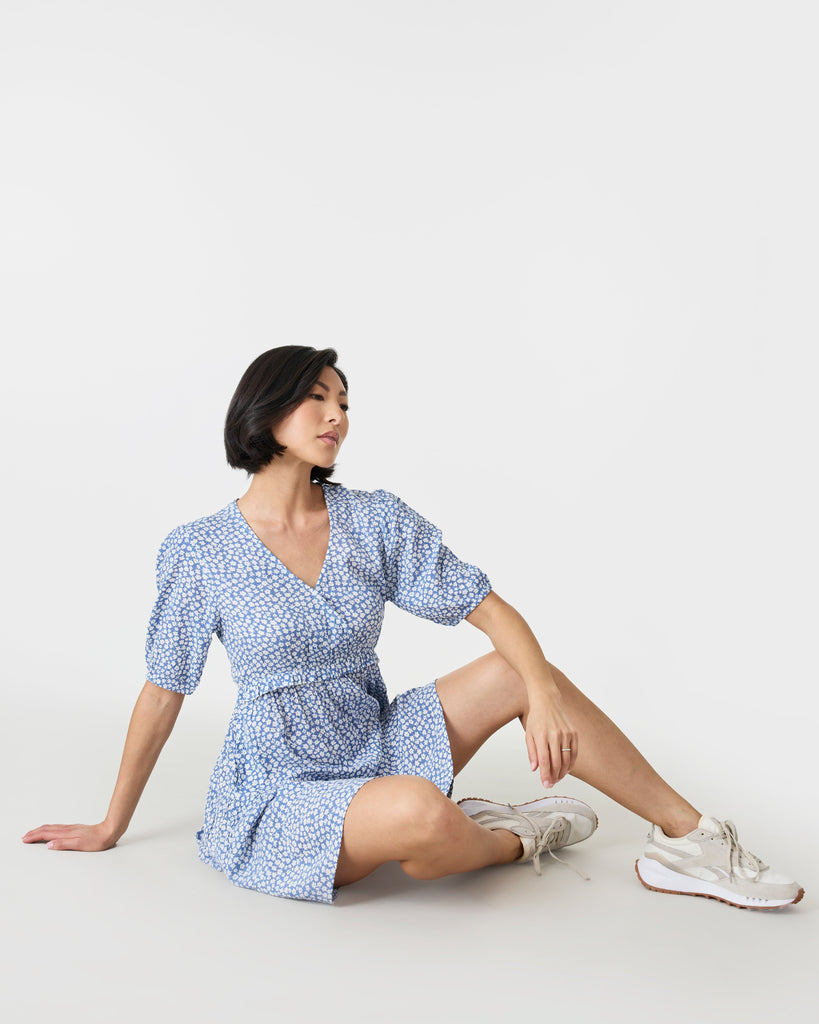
[{"x": 320, "y": 397}]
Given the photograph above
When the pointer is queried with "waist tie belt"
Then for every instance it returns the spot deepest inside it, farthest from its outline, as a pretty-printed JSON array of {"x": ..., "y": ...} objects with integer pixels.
[{"x": 250, "y": 689}]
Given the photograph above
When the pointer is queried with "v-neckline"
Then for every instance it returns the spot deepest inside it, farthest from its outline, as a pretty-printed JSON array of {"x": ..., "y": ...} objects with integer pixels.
[{"x": 276, "y": 558}]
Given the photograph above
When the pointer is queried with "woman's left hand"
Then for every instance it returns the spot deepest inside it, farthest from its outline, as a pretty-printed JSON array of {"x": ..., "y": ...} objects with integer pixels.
[
  {"x": 551, "y": 740},
  {"x": 550, "y": 737}
]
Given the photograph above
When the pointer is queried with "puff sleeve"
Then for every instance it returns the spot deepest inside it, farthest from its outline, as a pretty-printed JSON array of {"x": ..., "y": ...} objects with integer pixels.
[
  {"x": 422, "y": 575},
  {"x": 183, "y": 619}
]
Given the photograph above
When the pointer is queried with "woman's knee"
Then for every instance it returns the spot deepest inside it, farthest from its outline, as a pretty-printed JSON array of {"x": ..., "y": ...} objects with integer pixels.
[
  {"x": 393, "y": 817},
  {"x": 428, "y": 819}
]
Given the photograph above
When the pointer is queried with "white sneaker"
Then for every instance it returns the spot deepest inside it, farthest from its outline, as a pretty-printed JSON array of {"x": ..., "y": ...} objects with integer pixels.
[
  {"x": 711, "y": 862},
  {"x": 546, "y": 824}
]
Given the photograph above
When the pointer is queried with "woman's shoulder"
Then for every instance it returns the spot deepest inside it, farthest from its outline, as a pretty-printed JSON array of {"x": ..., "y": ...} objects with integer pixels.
[
  {"x": 203, "y": 529},
  {"x": 374, "y": 502},
  {"x": 379, "y": 510}
]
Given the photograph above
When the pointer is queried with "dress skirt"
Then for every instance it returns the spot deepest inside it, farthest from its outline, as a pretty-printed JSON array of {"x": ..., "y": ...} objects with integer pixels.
[{"x": 292, "y": 761}]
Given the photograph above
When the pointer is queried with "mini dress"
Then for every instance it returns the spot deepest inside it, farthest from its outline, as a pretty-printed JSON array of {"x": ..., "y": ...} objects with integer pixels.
[{"x": 312, "y": 721}]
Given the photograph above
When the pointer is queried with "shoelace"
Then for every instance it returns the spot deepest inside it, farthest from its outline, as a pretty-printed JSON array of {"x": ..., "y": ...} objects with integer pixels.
[
  {"x": 738, "y": 856},
  {"x": 544, "y": 840}
]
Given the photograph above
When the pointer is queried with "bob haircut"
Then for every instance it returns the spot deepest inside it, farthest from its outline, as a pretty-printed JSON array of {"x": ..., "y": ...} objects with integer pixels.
[{"x": 271, "y": 387}]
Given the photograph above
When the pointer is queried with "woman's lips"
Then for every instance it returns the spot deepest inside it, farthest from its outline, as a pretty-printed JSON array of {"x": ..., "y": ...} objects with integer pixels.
[{"x": 329, "y": 438}]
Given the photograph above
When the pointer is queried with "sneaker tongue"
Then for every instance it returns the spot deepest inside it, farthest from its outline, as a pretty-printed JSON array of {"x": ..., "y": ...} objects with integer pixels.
[{"x": 708, "y": 824}]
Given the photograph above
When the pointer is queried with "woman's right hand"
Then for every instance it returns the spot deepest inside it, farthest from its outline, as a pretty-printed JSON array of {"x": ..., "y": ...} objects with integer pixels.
[
  {"x": 151, "y": 723},
  {"x": 88, "y": 838}
]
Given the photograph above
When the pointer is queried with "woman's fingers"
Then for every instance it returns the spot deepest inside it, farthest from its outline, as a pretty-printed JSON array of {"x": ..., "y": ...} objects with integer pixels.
[
  {"x": 549, "y": 761},
  {"x": 89, "y": 838},
  {"x": 552, "y": 743},
  {"x": 531, "y": 748},
  {"x": 568, "y": 753},
  {"x": 45, "y": 833},
  {"x": 52, "y": 835},
  {"x": 556, "y": 757},
  {"x": 66, "y": 843}
]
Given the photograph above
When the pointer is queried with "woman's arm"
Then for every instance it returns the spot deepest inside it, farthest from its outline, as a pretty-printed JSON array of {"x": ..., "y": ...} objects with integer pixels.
[
  {"x": 550, "y": 739},
  {"x": 151, "y": 724}
]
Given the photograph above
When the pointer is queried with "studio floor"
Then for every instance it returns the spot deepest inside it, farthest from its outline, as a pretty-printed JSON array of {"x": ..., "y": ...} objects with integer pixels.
[{"x": 145, "y": 931}]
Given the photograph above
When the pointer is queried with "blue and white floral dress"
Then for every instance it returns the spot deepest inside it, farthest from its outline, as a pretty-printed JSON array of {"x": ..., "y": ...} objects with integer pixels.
[{"x": 312, "y": 722}]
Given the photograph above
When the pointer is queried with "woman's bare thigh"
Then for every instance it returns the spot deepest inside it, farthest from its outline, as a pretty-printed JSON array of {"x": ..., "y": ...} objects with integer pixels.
[{"x": 477, "y": 700}]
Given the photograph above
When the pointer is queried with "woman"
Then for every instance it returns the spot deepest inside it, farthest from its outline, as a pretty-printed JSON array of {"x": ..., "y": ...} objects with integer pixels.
[{"x": 320, "y": 779}]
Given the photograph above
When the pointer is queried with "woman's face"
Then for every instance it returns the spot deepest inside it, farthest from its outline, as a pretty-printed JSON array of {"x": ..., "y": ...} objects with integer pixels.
[{"x": 315, "y": 430}]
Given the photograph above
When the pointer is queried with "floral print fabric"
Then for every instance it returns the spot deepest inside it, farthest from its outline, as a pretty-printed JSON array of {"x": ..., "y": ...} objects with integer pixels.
[{"x": 312, "y": 722}]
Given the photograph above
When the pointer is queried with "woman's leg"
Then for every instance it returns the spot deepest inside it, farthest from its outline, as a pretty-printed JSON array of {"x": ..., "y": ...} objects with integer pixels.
[
  {"x": 408, "y": 819},
  {"x": 484, "y": 695}
]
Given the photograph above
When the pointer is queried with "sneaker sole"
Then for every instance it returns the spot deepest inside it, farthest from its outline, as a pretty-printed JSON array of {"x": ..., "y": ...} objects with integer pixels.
[{"x": 659, "y": 878}]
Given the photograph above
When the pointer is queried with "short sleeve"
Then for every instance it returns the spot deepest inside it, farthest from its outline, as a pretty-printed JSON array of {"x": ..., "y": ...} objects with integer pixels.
[
  {"x": 183, "y": 619},
  {"x": 423, "y": 576}
]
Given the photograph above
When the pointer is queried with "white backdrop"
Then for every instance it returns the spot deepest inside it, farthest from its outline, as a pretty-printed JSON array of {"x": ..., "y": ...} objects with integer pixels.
[{"x": 567, "y": 255}]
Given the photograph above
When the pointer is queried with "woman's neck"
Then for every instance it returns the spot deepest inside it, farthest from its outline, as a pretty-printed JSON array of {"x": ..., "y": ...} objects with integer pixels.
[{"x": 281, "y": 493}]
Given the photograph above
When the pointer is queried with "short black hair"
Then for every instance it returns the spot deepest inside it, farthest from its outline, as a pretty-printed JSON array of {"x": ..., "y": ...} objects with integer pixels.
[{"x": 271, "y": 387}]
